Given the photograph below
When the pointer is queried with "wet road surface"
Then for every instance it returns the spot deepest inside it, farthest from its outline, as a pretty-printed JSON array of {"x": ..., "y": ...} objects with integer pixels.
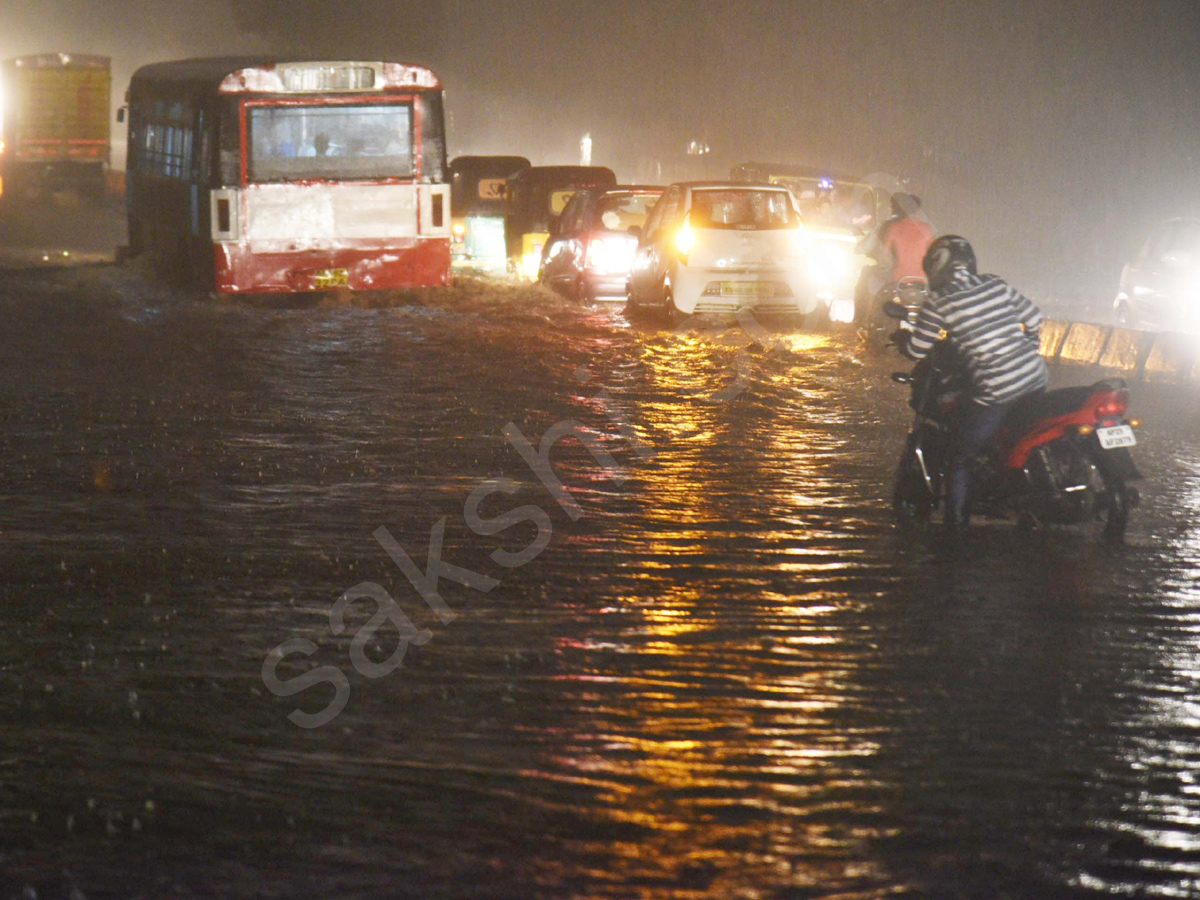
[{"x": 709, "y": 666}]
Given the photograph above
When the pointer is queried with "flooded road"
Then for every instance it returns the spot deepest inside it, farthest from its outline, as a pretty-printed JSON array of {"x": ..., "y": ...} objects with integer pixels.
[{"x": 709, "y": 665}]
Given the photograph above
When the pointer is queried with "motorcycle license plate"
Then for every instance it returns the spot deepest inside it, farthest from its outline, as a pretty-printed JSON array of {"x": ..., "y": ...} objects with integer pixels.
[{"x": 1116, "y": 436}]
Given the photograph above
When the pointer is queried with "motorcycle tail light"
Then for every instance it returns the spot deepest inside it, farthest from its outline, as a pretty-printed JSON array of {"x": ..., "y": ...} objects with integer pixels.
[{"x": 1113, "y": 403}]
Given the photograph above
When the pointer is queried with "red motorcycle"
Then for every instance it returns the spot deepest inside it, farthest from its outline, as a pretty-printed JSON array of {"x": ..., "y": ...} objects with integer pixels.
[{"x": 1061, "y": 457}]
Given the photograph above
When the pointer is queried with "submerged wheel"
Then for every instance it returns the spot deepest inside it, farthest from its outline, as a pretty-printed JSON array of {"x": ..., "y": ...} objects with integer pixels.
[
  {"x": 670, "y": 312},
  {"x": 911, "y": 499},
  {"x": 1072, "y": 483},
  {"x": 1119, "y": 502},
  {"x": 818, "y": 319},
  {"x": 912, "y": 510},
  {"x": 137, "y": 236},
  {"x": 631, "y": 310}
]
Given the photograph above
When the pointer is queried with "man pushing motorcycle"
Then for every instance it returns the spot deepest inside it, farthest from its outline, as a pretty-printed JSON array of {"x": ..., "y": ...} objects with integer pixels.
[
  {"x": 897, "y": 245},
  {"x": 994, "y": 330}
]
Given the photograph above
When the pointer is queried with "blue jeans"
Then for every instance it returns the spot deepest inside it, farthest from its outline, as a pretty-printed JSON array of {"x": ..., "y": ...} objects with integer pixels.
[{"x": 974, "y": 429}]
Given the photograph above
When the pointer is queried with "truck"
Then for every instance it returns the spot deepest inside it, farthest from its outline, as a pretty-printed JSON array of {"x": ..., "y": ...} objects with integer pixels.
[{"x": 54, "y": 123}]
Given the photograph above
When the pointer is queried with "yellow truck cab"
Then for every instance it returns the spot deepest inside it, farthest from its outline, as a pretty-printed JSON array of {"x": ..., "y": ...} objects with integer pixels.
[{"x": 55, "y": 129}]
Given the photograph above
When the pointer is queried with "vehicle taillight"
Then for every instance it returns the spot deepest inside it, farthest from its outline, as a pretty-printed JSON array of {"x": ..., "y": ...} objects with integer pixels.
[
  {"x": 685, "y": 238},
  {"x": 1111, "y": 404},
  {"x": 597, "y": 255}
]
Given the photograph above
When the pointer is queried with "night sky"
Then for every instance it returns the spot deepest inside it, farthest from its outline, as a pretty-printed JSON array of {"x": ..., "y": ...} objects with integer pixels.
[{"x": 1050, "y": 133}]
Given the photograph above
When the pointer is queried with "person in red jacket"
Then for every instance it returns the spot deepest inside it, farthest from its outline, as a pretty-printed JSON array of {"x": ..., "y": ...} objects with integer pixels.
[{"x": 898, "y": 247}]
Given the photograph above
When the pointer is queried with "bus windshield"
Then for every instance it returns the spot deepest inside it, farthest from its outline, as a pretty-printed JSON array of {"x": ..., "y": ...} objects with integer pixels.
[{"x": 334, "y": 143}]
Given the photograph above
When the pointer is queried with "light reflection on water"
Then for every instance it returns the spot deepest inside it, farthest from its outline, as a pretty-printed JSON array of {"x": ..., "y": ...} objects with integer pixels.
[{"x": 731, "y": 677}]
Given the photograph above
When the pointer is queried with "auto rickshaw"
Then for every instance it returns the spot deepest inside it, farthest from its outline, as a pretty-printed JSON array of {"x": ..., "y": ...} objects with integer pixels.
[
  {"x": 536, "y": 196},
  {"x": 478, "y": 200}
]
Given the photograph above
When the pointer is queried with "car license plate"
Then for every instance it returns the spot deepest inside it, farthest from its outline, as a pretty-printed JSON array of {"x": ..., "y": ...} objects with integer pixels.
[
  {"x": 1116, "y": 436},
  {"x": 331, "y": 278},
  {"x": 747, "y": 289}
]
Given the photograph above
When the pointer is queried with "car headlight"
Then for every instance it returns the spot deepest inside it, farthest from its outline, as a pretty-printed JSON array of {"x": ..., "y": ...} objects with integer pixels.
[
  {"x": 841, "y": 310},
  {"x": 830, "y": 265}
]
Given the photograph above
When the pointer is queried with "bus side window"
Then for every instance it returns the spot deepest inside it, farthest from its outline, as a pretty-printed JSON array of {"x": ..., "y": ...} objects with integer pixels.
[
  {"x": 203, "y": 168},
  {"x": 229, "y": 157},
  {"x": 433, "y": 146}
]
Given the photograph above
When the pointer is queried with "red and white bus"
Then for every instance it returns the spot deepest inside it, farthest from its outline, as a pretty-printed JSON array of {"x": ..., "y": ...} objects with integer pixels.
[{"x": 256, "y": 176}]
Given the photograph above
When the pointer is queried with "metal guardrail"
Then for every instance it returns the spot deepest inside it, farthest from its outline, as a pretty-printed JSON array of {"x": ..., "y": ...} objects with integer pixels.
[{"x": 1144, "y": 355}]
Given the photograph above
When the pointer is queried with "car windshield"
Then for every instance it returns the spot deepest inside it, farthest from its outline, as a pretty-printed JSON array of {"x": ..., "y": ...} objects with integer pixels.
[
  {"x": 620, "y": 212},
  {"x": 756, "y": 210},
  {"x": 335, "y": 143}
]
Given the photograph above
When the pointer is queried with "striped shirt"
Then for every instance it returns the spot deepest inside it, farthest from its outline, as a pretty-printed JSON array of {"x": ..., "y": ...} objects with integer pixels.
[{"x": 993, "y": 327}]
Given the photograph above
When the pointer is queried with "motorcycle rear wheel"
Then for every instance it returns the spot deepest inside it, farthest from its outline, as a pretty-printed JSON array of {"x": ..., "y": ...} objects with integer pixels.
[
  {"x": 910, "y": 497},
  {"x": 1069, "y": 483},
  {"x": 1119, "y": 503}
]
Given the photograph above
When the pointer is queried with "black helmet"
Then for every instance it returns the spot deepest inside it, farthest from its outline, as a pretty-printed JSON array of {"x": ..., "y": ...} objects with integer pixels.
[{"x": 947, "y": 253}]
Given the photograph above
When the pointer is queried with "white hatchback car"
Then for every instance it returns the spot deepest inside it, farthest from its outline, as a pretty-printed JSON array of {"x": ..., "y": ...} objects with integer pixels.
[{"x": 719, "y": 247}]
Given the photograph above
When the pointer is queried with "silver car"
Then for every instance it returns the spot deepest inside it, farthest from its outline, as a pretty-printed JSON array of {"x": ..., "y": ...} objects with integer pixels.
[{"x": 719, "y": 247}]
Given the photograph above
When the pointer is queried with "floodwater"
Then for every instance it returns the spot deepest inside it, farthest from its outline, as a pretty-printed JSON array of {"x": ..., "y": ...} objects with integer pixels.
[{"x": 726, "y": 674}]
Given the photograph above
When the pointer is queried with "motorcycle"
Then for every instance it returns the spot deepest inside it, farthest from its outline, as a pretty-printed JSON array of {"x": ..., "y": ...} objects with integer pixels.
[
  {"x": 1061, "y": 457},
  {"x": 910, "y": 293}
]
